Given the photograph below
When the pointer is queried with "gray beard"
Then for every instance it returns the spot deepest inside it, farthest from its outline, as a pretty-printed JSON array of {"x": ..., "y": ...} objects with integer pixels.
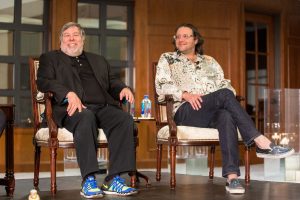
[{"x": 71, "y": 53}]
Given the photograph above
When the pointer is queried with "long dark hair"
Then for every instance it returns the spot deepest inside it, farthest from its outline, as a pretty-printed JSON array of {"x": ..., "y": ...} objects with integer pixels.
[{"x": 196, "y": 34}]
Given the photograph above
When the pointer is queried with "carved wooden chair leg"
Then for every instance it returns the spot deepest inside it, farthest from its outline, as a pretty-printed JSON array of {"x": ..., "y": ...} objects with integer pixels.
[
  {"x": 158, "y": 162},
  {"x": 53, "y": 154},
  {"x": 212, "y": 162},
  {"x": 10, "y": 188},
  {"x": 133, "y": 179},
  {"x": 247, "y": 165},
  {"x": 173, "y": 166},
  {"x": 37, "y": 158}
]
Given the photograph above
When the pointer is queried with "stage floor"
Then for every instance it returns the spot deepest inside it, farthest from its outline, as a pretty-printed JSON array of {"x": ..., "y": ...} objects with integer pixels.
[{"x": 188, "y": 187}]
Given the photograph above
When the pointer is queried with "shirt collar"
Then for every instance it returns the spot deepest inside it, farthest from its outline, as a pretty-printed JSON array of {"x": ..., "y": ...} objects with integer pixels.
[{"x": 180, "y": 55}]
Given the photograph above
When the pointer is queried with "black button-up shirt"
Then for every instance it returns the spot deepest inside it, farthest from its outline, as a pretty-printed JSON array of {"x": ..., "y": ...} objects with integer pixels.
[{"x": 93, "y": 92}]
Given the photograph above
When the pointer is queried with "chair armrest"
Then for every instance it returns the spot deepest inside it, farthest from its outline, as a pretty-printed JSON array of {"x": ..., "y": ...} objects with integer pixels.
[
  {"x": 53, "y": 131},
  {"x": 171, "y": 123},
  {"x": 240, "y": 98}
]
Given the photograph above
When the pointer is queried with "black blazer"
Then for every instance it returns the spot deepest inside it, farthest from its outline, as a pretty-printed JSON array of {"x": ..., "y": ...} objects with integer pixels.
[{"x": 56, "y": 74}]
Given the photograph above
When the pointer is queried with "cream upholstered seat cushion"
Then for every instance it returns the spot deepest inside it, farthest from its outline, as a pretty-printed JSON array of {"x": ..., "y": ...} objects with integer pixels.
[
  {"x": 64, "y": 136},
  {"x": 189, "y": 133}
]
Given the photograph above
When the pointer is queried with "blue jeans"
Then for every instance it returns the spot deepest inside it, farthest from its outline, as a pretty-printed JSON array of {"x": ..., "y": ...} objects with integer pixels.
[{"x": 222, "y": 111}]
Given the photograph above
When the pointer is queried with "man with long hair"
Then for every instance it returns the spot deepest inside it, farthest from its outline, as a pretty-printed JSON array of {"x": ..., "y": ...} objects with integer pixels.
[{"x": 204, "y": 98}]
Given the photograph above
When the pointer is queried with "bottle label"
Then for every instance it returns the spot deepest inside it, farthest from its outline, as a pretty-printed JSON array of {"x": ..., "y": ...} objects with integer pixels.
[
  {"x": 143, "y": 109},
  {"x": 146, "y": 107}
]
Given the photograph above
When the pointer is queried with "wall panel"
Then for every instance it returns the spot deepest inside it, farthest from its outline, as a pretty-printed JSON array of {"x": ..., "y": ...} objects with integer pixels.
[
  {"x": 24, "y": 153},
  {"x": 292, "y": 70},
  {"x": 294, "y": 65},
  {"x": 217, "y": 20}
]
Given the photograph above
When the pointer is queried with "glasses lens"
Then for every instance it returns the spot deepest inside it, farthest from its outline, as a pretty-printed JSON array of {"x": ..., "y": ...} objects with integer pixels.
[{"x": 185, "y": 36}]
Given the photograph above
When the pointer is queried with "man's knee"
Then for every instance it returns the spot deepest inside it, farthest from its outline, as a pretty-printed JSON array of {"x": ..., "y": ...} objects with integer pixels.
[
  {"x": 226, "y": 92},
  {"x": 224, "y": 116},
  {"x": 86, "y": 115},
  {"x": 127, "y": 118}
]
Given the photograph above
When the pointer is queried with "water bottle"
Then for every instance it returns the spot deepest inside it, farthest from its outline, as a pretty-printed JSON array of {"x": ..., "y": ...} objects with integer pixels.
[{"x": 146, "y": 107}]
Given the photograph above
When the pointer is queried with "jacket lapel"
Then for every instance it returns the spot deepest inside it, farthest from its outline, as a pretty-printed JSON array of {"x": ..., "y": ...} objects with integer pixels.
[{"x": 68, "y": 63}]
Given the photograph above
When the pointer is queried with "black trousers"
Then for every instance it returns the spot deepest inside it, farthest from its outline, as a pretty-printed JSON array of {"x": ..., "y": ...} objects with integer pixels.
[
  {"x": 118, "y": 127},
  {"x": 222, "y": 111}
]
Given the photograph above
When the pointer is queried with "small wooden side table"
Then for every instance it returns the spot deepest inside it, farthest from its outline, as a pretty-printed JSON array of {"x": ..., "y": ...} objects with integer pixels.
[
  {"x": 9, "y": 180},
  {"x": 137, "y": 173}
]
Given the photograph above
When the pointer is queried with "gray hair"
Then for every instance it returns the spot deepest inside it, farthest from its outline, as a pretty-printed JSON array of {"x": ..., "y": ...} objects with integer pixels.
[{"x": 71, "y": 24}]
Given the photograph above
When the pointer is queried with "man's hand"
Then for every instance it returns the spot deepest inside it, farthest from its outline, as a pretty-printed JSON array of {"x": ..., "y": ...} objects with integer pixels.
[
  {"x": 74, "y": 103},
  {"x": 194, "y": 99},
  {"x": 126, "y": 92}
]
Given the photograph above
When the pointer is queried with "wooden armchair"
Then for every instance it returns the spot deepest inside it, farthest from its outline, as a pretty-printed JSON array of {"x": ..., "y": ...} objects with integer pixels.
[
  {"x": 171, "y": 135},
  {"x": 53, "y": 137}
]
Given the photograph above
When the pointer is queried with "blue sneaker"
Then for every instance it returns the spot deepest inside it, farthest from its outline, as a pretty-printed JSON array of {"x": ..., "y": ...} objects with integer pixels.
[
  {"x": 90, "y": 188},
  {"x": 118, "y": 187},
  {"x": 275, "y": 151},
  {"x": 234, "y": 187}
]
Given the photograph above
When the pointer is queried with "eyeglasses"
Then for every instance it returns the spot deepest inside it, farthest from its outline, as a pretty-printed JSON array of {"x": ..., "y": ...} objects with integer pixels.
[{"x": 184, "y": 36}]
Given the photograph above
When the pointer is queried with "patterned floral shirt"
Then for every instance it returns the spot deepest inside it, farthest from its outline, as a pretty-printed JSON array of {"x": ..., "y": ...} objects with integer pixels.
[{"x": 177, "y": 74}]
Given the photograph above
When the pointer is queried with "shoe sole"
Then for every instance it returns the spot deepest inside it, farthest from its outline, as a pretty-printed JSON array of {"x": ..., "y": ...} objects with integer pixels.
[
  {"x": 120, "y": 194},
  {"x": 263, "y": 155},
  {"x": 96, "y": 196},
  {"x": 235, "y": 191}
]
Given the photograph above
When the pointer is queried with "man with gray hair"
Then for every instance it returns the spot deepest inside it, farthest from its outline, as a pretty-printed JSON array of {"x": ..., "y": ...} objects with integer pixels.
[{"x": 86, "y": 97}]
